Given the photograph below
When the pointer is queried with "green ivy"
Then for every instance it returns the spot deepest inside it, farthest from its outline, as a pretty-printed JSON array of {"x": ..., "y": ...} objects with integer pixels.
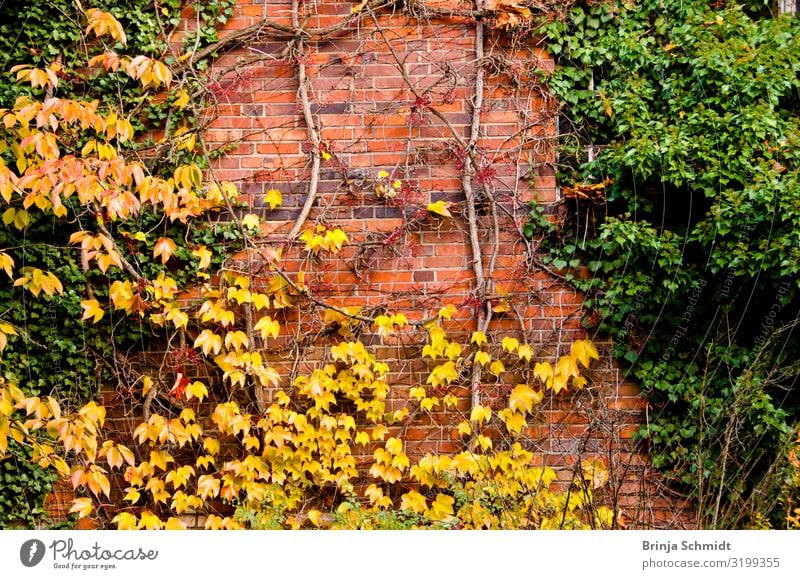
[
  {"x": 694, "y": 252},
  {"x": 23, "y": 488},
  {"x": 56, "y": 353}
]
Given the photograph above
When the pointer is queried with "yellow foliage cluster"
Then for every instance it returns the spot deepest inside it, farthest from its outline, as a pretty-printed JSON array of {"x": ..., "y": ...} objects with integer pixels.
[{"x": 310, "y": 443}]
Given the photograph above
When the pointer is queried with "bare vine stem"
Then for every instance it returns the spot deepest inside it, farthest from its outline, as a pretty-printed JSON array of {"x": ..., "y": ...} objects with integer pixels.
[
  {"x": 281, "y": 31},
  {"x": 313, "y": 133},
  {"x": 481, "y": 287},
  {"x": 305, "y": 293},
  {"x": 467, "y": 172}
]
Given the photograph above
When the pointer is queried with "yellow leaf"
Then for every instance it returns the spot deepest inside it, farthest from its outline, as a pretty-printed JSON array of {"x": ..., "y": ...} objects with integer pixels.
[
  {"x": 160, "y": 459},
  {"x": 484, "y": 442},
  {"x": 102, "y": 23},
  {"x": 334, "y": 240},
  {"x": 182, "y": 100},
  {"x": 413, "y": 501},
  {"x": 161, "y": 74},
  {"x": 439, "y": 208},
  {"x": 429, "y": 403},
  {"x": 394, "y": 445},
  {"x": 178, "y": 318},
  {"x": 480, "y": 414},
  {"x": 175, "y": 524},
  {"x": 417, "y": 392},
  {"x": 584, "y": 352},
  {"x": 594, "y": 472},
  {"x": 524, "y": 397},
  {"x": 208, "y": 342},
  {"x": 447, "y": 312},
  {"x": 525, "y": 352},
  {"x": 260, "y": 301},
  {"x": 207, "y": 486},
  {"x": 83, "y": 506},
  {"x": 164, "y": 248},
  {"x": 362, "y": 438},
  {"x": 196, "y": 390},
  {"x": 113, "y": 457},
  {"x": 544, "y": 372},
  {"x": 510, "y": 344},
  {"x": 379, "y": 432},
  {"x": 478, "y": 338},
  {"x": 121, "y": 294},
  {"x": 374, "y": 494},
  {"x": 399, "y": 415},
  {"x": 567, "y": 367},
  {"x": 514, "y": 421},
  {"x": 149, "y": 521},
  {"x": 180, "y": 476},
  {"x": 132, "y": 496},
  {"x": 211, "y": 445},
  {"x": 241, "y": 296},
  {"x": 482, "y": 358},
  {"x": 453, "y": 350},
  {"x": 313, "y": 516},
  {"x": 268, "y": 327},
  {"x": 92, "y": 309},
  {"x": 125, "y": 521},
  {"x": 442, "y": 507},
  {"x": 237, "y": 339},
  {"x": 282, "y": 398},
  {"x": 147, "y": 384},
  {"x": 464, "y": 428},
  {"x": 7, "y": 264},
  {"x": 497, "y": 367},
  {"x": 204, "y": 255},
  {"x": 274, "y": 197},
  {"x": 250, "y": 221}
]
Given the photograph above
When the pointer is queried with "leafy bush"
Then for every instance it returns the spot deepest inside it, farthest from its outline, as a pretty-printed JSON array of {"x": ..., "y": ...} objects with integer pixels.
[{"x": 687, "y": 218}]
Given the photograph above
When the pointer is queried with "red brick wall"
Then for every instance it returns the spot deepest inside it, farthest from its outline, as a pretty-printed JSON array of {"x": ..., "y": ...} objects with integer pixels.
[{"x": 399, "y": 257}]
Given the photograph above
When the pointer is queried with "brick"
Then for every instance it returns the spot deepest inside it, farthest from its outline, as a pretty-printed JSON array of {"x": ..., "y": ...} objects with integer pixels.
[{"x": 361, "y": 103}]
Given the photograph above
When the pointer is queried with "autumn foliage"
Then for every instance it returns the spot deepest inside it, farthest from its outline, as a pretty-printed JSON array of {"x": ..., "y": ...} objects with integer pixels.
[{"x": 325, "y": 451}]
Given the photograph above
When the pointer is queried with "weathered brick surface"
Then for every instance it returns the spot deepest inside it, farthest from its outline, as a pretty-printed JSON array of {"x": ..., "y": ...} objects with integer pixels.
[{"x": 369, "y": 120}]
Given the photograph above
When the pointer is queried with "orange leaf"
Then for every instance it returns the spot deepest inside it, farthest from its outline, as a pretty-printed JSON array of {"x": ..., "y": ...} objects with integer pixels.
[{"x": 164, "y": 248}]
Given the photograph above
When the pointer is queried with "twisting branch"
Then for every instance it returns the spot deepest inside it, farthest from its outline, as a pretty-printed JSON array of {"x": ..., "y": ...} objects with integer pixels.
[
  {"x": 313, "y": 133},
  {"x": 280, "y": 31},
  {"x": 467, "y": 172}
]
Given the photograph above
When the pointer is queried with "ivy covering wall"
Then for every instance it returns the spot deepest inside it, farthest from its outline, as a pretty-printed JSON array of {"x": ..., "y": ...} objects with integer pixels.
[
  {"x": 679, "y": 222},
  {"x": 56, "y": 353},
  {"x": 681, "y": 198}
]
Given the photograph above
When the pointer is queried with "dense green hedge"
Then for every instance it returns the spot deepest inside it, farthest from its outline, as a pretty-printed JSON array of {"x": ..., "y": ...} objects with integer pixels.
[{"x": 695, "y": 245}]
